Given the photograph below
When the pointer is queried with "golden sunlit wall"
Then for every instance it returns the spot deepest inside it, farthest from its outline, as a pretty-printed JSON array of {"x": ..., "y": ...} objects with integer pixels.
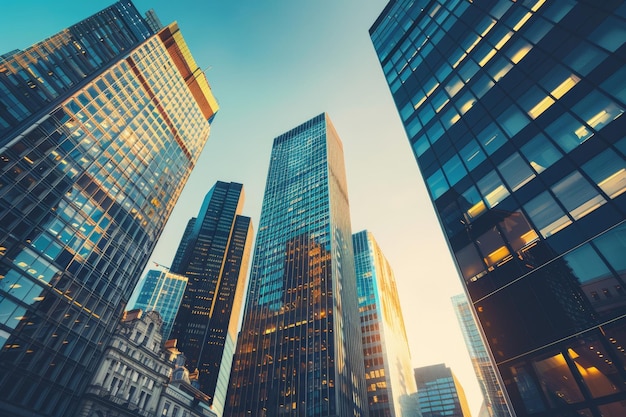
[
  {"x": 388, "y": 372},
  {"x": 514, "y": 113},
  {"x": 86, "y": 187}
]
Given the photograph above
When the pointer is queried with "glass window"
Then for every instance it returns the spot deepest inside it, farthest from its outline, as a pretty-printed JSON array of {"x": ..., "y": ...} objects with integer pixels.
[
  {"x": 577, "y": 195},
  {"x": 437, "y": 184},
  {"x": 421, "y": 145},
  {"x": 518, "y": 231},
  {"x": 608, "y": 171},
  {"x": 541, "y": 153},
  {"x": 493, "y": 248},
  {"x": 472, "y": 155},
  {"x": 492, "y": 189},
  {"x": 615, "y": 409},
  {"x": 435, "y": 132},
  {"x": 612, "y": 246},
  {"x": 546, "y": 214},
  {"x": 491, "y": 138},
  {"x": 557, "y": 380},
  {"x": 482, "y": 86},
  {"x": 585, "y": 57},
  {"x": 515, "y": 171},
  {"x": 615, "y": 84},
  {"x": 465, "y": 102},
  {"x": 610, "y": 35},
  {"x": 512, "y": 120},
  {"x": 470, "y": 263},
  {"x": 472, "y": 203},
  {"x": 527, "y": 388},
  {"x": 454, "y": 170},
  {"x": 597, "y": 110},
  {"x": 568, "y": 132}
]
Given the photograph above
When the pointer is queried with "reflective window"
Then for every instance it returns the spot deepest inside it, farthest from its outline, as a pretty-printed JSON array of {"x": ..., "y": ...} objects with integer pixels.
[
  {"x": 472, "y": 155},
  {"x": 541, "y": 153},
  {"x": 515, "y": 172},
  {"x": 568, "y": 132},
  {"x": 454, "y": 170},
  {"x": 472, "y": 203},
  {"x": 597, "y": 110},
  {"x": 556, "y": 380},
  {"x": 585, "y": 57},
  {"x": 437, "y": 184},
  {"x": 470, "y": 263},
  {"x": 512, "y": 120},
  {"x": 517, "y": 231},
  {"x": 615, "y": 84},
  {"x": 612, "y": 246},
  {"x": 546, "y": 214},
  {"x": 491, "y": 138},
  {"x": 493, "y": 248},
  {"x": 608, "y": 171},
  {"x": 492, "y": 189},
  {"x": 577, "y": 195},
  {"x": 610, "y": 35},
  {"x": 421, "y": 145},
  {"x": 527, "y": 388}
]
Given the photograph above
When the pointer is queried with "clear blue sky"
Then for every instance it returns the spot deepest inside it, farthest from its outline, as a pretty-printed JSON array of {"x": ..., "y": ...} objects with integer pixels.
[{"x": 274, "y": 64}]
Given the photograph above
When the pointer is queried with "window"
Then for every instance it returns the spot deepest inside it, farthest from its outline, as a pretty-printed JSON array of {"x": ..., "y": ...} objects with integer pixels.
[
  {"x": 612, "y": 245},
  {"x": 470, "y": 263},
  {"x": 597, "y": 110},
  {"x": 608, "y": 171},
  {"x": 610, "y": 35},
  {"x": 541, "y": 153},
  {"x": 546, "y": 214},
  {"x": 437, "y": 184},
  {"x": 492, "y": 189},
  {"x": 454, "y": 170},
  {"x": 491, "y": 138},
  {"x": 472, "y": 155},
  {"x": 512, "y": 120},
  {"x": 577, "y": 195},
  {"x": 515, "y": 172},
  {"x": 568, "y": 132}
]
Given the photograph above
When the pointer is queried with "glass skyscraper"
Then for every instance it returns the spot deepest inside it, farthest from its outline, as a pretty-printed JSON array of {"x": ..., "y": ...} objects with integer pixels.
[
  {"x": 100, "y": 127},
  {"x": 494, "y": 400},
  {"x": 439, "y": 392},
  {"x": 213, "y": 255},
  {"x": 388, "y": 372},
  {"x": 162, "y": 291},
  {"x": 299, "y": 351},
  {"x": 514, "y": 112}
]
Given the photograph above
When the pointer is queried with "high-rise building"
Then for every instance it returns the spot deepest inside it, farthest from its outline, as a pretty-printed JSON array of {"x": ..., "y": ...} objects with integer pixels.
[
  {"x": 388, "y": 372},
  {"x": 494, "y": 400},
  {"x": 439, "y": 393},
  {"x": 514, "y": 112},
  {"x": 299, "y": 352},
  {"x": 100, "y": 127},
  {"x": 214, "y": 255},
  {"x": 161, "y": 291}
]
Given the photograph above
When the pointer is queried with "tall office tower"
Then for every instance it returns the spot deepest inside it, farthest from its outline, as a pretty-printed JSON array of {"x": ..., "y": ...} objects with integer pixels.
[
  {"x": 388, "y": 372},
  {"x": 217, "y": 246},
  {"x": 100, "y": 127},
  {"x": 162, "y": 291},
  {"x": 439, "y": 392},
  {"x": 299, "y": 352},
  {"x": 514, "y": 113},
  {"x": 494, "y": 401}
]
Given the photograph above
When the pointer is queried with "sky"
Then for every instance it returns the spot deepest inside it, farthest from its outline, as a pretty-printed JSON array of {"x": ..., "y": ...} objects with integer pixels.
[{"x": 272, "y": 65}]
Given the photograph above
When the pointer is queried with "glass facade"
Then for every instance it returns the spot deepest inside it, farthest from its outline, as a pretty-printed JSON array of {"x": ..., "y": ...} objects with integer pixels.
[
  {"x": 214, "y": 255},
  {"x": 388, "y": 372},
  {"x": 90, "y": 169},
  {"x": 439, "y": 393},
  {"x": 162, "y": 291},
  {"x": 299, "y": 351},
  {"x": 514, "y": 113},
  {"x": 494, "y": 400}
]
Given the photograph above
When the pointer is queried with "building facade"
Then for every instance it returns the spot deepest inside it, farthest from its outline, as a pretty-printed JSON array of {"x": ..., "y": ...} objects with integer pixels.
[
  {"x": 388, "y": 373},
  {"x": 495, "y": 404},
  {"x": 139, "y": 376},
  {"x": 299, "y": 351},
  {"x": 439, "y": 393},
  {"x": 214, "y": 255},
  {"x": 162, "y": 291},
  {"x": 514, "y": 113},
  {"x": 100, "y": 127}
]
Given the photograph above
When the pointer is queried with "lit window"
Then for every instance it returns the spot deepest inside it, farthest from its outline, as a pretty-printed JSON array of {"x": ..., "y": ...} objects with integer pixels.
[
  {"x": 492, "y": 189},
  {"x": 515, "y": 171},
  {"x": 608, "y": 170},
  {"x": 546, "y": 214}
]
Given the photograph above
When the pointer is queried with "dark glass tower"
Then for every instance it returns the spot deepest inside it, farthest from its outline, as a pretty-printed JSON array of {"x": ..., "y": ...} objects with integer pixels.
[
  {"x": 215, "y": 257},
  {"x": 514, "y": 111},
  {"x": 93, "y": 157},
  {"x": 388, "y": 372},
  {"x": 439, "y": 392},
  {"x": 299, "y": 352},
  {"x": 494, "y": 401}
]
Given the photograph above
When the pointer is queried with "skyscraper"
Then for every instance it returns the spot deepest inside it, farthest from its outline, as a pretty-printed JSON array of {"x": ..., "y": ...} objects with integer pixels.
[
  {"x": 388, "y": 372},
  {"x": 514, "y": 113},
  {"x": 100, "y": 127},
  {"x": 439, "y": 392},
  {"x": 162, "y": 291},
  {"x": 214, "y": 255},
  {"x": 299, "y": 352},
  {"x": 494, "y": 400}
]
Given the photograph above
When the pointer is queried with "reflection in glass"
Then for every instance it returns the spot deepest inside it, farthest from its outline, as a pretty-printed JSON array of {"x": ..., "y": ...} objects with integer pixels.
[
  {"x": 577, "y": 195},
  {"x": 546, "y": 214},
  {"x": 541, "y": 153},
  {"x": 608, "y": 170},
  {"x": 557, "y": 381}
]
